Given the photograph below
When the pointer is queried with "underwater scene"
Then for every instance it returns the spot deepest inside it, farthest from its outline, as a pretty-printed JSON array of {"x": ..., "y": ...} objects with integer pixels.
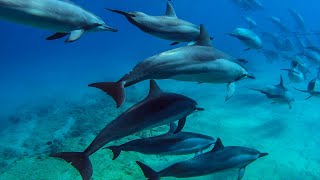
[{"x": 180, "y": 89}]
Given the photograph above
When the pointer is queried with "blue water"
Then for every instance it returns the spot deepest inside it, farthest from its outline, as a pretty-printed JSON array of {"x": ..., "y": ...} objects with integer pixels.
[{"x": 34, "y": 72}]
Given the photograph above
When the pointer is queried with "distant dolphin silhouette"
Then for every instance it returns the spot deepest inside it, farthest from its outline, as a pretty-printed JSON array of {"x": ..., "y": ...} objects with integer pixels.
[
  {"x": 278, "y": 93},
  {"x": 313, "y": 87},
  {"x": 168, "y": 27},
  {"x": 55, "y": 15},
  {"x": 197, "y": 63},
  {"x": 158, "y": 108},
  {"x": 220, "y": 158}
]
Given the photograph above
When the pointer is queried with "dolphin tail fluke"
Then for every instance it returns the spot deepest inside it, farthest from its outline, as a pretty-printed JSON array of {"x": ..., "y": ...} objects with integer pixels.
[
  {"x": 148, "y": 172},
  {"x": 114, "y": 89},
  {"x": 79, "y": 160},
  {"x": 115, "y": 150}
]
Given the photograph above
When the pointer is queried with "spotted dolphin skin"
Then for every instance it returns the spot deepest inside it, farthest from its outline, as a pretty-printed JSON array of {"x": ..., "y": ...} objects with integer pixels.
[
  {"x": 168, "y": 27},
  {"x": 219, "y": 159},
  {"x": 278, "y": 93},
  {"x": 158, "y": 108},
  {"x": 59, "y": 16},
  {"x": 167, "y": 144},
  {"x": 313, "y": 87},
  {"x": 197, "y": 63}
]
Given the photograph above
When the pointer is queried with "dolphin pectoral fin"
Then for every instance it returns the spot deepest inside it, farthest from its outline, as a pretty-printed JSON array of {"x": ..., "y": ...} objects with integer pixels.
[
  {"x": 170, "y": 10},
  {"x": 115, "y": 150},
  {"x": 148, "y": 172},
  {"x": 57, "y": 35},
  {"x": 241, "y": 173},
  {"x": 181, "y": 124},
  {"x": 114, "y": 89},
  {"x": 231, "y": 89},
  {"x": 173, "y": 127},
  {"x": 174, "y": 43},
  {"x": 75, "y": 35},
  {"x": 192, "y": 43},
  {"x": 309, "y": 97},
  {"x": 247, "y": 49}
]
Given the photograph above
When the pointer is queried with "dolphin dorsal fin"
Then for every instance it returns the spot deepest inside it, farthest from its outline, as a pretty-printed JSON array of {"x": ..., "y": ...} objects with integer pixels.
[
  {"x": 204, "y": 38},
  {"x": 154, "y": 89},
  {"x": 217, "y": 146},
  {"x": 281, "y": 81},
  {"x": 170, "y": 11},
  {"x": 173, "y": 127}
]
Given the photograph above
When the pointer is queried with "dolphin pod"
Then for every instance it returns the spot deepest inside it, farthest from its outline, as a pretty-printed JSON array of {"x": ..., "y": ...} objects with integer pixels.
[
  {"x": 197, "y": 63},
  {"x": 62, "y": 17},
  {"x": 158, "y": 108}
]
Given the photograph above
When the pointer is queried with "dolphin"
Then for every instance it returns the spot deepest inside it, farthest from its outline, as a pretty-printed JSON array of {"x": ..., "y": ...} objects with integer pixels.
[
  {"x": 302, "y": 66},
  {"x": 247, "y": 37},
  {"x": 270, "y": 54},
  {"x": 278, "y": 93},
  {"x": 251, "y": 23},
  {"x": 197, "y": 63},
  {"x": 220, "y": 158},
  {"x": 313, "y": 87},
  {"x": 62, "y": 17},
  {"x": 168, "y": 27},
  {"x": 157, "y": 109},
  {"x": 295, "y": 75},
  {"x": 298, "y": 19},
  {"x": 277, "y": 22},
  {"x": 181, "y": 143}
]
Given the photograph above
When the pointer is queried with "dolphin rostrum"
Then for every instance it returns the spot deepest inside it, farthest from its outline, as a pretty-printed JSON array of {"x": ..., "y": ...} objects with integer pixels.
[
  {"x": 167, "y": 144},
  {"x": 197, "y": 63},
  {"x": 59, "y": 16},
  {"x": 157, "y": 109},
  {"x": 220, "y": 158},
  {"x": 278, "y": 93},
  {"x": 168, "y": 27}
]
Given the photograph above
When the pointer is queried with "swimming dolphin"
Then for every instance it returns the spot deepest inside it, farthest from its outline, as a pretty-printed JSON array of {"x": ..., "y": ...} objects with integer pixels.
[
  {"x": 59, "y": 16},
  {"x": 220, "y": 158},
  {"x": 277, "y": 22},
  {"x": 295, "y": 75},
  {"x": 313, "y": 87},
  {"x": 157, "y": 109},
  {"x": 247, "y": 37},
  {"x": 168, "y": 27},
  {"x": 167, "y": 144},
  {"x": 251, "y": 23},
  {"x": 278, "y": 93},
  {"x": 298, "y": 19},
  {"x": 302, "y": 66},
  {"x": 197, "y": 63}
]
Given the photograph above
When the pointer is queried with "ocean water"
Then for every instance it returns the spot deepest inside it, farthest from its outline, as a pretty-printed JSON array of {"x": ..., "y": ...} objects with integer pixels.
[{"x": 46, "y": 106}]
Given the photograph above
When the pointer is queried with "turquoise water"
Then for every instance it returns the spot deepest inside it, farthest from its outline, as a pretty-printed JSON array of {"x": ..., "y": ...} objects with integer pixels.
[{"x": 46, "y": 106}]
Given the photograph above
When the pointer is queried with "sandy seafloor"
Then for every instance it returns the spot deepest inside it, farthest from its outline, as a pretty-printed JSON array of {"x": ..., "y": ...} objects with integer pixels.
[{"x": 58, "y": 124}]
